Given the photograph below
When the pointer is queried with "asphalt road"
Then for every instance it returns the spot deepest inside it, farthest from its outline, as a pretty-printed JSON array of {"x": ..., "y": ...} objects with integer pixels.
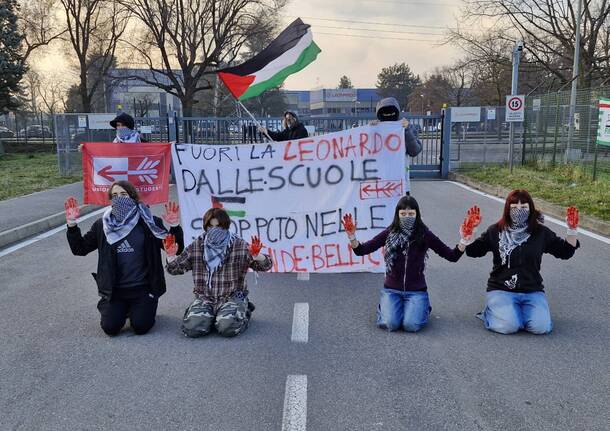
[{"x": 58, "y": 371}]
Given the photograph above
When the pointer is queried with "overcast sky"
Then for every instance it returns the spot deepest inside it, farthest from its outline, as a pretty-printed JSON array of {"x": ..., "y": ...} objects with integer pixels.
[
  {"x": 388, "y": 32},
  {"x": 361, "y": 58}
]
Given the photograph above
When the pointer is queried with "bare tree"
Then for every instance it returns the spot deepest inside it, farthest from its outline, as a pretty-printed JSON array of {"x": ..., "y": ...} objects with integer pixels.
[
  {"x": 39, "y": 23},
  {"x": 186, "y": 41},
  {"x": 94, "y": 28},
  {"x": 548, "y": 29}
]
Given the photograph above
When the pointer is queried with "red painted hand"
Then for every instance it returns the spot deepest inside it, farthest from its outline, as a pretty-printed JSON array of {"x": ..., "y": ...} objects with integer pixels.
[
  {"x": 572, "y": 217},
  {"x": 170, "y": 246},
  {"x": 172, "y": 213},
  {"x": 471, "y": 221},
  {"x": 72, "y": 210},
  {"x": 348, "y": 224},
  {"x": 255, "y": 246}
]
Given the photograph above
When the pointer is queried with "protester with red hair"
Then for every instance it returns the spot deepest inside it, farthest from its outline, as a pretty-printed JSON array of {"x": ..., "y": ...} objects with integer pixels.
[{"x": 515, "y": 293}]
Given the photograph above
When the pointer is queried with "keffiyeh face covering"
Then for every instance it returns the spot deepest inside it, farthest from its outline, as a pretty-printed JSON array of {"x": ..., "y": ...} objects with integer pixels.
[
  {"x": 398, "y": 241},
  {"x": 123, "y": 215},
  {"x": 515, "y": 235},
  {"x": 216, "y": 245}
]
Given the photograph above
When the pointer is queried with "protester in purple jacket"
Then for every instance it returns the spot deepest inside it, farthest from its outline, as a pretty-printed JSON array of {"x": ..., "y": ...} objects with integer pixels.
[{"x": 404, "y": 301}]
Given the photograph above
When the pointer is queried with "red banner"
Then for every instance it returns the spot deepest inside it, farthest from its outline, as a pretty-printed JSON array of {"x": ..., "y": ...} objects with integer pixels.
[{"x": 146, "y": 166}]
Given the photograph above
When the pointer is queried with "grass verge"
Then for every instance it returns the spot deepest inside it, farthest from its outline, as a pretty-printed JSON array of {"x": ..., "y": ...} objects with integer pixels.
[
  {"x": 562, "y": 185},
  {"x": 27, "y": 173}
]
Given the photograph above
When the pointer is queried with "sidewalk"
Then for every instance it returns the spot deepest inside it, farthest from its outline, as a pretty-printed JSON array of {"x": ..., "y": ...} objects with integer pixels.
[{"x": 32, "y": 214}]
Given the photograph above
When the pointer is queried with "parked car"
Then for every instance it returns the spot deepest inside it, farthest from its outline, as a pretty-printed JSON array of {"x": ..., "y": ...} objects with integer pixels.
[
  {"x": 6, "y": 132},
  {"x": 36, "y": 131}
]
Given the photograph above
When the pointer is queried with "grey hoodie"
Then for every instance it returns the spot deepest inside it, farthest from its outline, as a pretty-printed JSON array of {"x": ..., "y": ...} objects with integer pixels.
[{"x": 388, "y": 109}]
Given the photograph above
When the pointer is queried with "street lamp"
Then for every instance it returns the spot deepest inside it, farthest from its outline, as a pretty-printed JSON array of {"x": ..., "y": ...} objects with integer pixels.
[{"x": 422, "y": 104}]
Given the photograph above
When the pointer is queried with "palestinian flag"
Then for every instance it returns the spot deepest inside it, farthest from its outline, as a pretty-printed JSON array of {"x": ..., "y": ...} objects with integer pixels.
[
  {"x": 237, "y": 204},
  {"x": 290, "y": 52}
]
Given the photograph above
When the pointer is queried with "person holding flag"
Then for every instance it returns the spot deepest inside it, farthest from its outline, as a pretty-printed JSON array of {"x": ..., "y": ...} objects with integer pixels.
[
  {"x": 293, "y": 129},
  {"x": 128, "y": 239},
  {"x": 219, "y": 261},
  {"x": 515, "y": 293}
]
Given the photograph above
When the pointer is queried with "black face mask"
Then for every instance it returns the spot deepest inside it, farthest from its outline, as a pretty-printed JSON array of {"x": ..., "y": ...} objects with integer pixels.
[{"x": 387, "y": 114}]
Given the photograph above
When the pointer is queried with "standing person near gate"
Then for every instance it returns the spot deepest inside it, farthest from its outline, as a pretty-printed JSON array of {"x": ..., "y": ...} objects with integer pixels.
[
  {"x": 388, "y": 109},
  {"x": 124, "y": 125},
  {"x": 293, "y": 129},
  {"x": 404, "y": 301},
  {"x": 129, "y": 240},
  {"x": 515, "y": 293},
  {"x": 220, "y": 261}
]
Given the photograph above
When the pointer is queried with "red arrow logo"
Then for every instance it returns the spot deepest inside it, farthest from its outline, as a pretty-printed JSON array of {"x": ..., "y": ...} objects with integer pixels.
[
  {"x": 377, "y": 189},
  {"x": 106, "y": 172}
]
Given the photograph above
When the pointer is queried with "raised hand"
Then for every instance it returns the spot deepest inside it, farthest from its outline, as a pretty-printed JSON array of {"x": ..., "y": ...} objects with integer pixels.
[
  {"x": 255, "y": 246},
  {"x": 404, "y": 122},
  {"x": 471, "y": 222},
  {"x": 349, "y": 225},
  {"x": 572, "y": 219},
  {"x": 170, "y": 245},
  {"x": 72, "y": 210},
  {"x": 172, "y": 213}
]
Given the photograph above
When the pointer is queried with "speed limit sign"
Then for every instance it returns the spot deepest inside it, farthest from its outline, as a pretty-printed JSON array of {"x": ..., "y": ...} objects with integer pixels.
[{"x": 515, "y": 108}]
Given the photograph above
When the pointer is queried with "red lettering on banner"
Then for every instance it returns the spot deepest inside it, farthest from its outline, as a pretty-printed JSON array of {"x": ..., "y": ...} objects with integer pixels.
[
  {"x": 320, "y": 145},
  {"x": 303, "y": 151},
  {"x": 389, "y": 138},
  {"x": 316, "y": 250},
  {"x": 297, "y": 259},
  {"x": 284, "y": 253},
  {"x": 364, "y": 139},
  {"x": 287, "y": 150}
]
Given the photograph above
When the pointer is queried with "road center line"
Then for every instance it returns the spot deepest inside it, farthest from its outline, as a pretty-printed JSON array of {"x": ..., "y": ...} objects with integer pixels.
[
  {"x": 46, "y": 234},
  {"x": 300, "y": 323},
  {"x": 546, "y": 217},
  {"x": 295, "y": 403}
]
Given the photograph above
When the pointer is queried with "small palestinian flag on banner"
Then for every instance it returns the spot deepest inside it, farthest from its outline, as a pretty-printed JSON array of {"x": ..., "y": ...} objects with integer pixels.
[
  {"x": 290, "y": 52},
  {"x": 236, "y": 204}
]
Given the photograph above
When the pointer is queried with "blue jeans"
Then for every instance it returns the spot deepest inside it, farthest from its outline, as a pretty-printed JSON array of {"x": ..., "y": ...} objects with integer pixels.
[
  {"x": 508, "y": 312},
  {"x": 407, "y": 310}
]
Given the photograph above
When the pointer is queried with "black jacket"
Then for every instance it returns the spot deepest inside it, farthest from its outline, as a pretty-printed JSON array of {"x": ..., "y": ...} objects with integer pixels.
[
  {"x": 107, "y": 256},
  {"x": 298, "y": 131},
  {"x": 523, "y": 275}
]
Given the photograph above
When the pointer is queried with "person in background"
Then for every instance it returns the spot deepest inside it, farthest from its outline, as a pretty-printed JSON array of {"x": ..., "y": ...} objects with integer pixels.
[
  {"x": 128, "y": 240},
  {"x": 388, "y": 109},
  {"x": 404, "y": 301},
  {"x": 515, "y": 293},
  {"x": 220, "y": 261},
  {"x": 293, "y": 129},
  {"x": 125, "y": 129}
]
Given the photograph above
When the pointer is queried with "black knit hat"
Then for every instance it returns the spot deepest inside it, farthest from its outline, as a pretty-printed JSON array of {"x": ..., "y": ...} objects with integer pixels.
[{"x": 125, "y": 119}]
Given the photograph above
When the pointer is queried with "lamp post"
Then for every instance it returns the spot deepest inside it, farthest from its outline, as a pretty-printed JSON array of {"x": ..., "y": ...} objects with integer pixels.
[
  {"x": 575, "y": 73},
  {"x": 422, "y": 103}
]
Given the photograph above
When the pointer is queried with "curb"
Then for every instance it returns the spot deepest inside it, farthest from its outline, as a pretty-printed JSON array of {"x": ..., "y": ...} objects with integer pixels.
[
  {"x": 19, "y": 233},
  {"x": 587, "y": 222}
]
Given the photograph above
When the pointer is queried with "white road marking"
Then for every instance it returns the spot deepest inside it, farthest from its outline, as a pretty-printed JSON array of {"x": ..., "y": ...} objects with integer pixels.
[
  {"x": 46, "y": 234},
  {"x": 546, "y": 217},
  {"x": 295, "y": 404},
  {"x": 300, "y": 323}
]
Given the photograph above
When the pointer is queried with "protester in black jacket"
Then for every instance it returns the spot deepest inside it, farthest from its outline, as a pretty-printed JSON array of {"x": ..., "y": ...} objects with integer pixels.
[
  {"x": 515, "y": 293},
  {"x": 130, "y": 274},
  {"x": 388, "y": 109},
  {"x": 293, "y": 129}
]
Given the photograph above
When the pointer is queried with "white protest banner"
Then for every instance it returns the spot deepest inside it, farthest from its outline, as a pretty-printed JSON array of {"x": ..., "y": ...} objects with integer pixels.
[{"x": 293, "y": 194}]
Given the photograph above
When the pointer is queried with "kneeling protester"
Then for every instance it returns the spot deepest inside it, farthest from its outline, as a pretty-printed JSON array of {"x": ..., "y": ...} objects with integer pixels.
[{"x": 219, "y": 261}]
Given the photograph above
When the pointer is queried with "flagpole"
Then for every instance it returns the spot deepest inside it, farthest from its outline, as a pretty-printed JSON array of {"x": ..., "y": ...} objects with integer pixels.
[{"x": 259, "y": 125}]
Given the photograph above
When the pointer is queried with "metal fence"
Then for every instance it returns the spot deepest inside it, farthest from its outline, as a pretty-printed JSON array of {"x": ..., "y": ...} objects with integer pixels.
[
  {"x": 547, "y": 126},
  {"x": 484, "y": 142},
  {"x": 541, "y": 140},
  {"x": 73, "y": 129}
]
